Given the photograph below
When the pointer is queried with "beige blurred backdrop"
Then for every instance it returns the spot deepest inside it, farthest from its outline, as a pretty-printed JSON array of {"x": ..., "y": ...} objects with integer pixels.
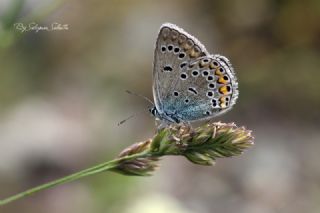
[{"x": 62, "y": 94}]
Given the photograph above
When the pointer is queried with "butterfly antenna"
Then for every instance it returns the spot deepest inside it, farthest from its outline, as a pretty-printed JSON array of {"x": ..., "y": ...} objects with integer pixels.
[
  {"x": 131, "y": 116},
  {"x": 122, "y": 122},
  {"x": 141, "y": 96}
]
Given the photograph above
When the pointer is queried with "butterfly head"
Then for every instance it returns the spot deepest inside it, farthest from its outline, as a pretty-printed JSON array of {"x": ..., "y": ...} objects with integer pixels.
[{"x": 153, "y": 110}]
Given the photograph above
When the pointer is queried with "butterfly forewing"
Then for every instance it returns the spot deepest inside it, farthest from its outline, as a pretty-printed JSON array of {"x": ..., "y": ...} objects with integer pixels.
[{"x": 175, "y": 49}]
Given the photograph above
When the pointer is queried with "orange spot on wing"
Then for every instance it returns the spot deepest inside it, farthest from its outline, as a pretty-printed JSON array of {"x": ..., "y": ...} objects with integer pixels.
[
  {"x": 223, "y": 105},
  {"x": 218, "y": 72},
  {"x": 221, "y": 80},
  {"x": 223, "y": 90}
]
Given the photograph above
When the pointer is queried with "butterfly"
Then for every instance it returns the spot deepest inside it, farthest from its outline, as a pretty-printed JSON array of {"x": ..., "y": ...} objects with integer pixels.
[{"x": 189, "y": 83}]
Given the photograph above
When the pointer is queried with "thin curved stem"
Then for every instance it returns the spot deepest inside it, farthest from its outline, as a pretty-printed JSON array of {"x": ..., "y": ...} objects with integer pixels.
[{"x": 84, "y": 173}]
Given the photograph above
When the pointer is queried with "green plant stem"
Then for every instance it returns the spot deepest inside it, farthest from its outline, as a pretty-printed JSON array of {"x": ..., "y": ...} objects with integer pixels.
[{"x": 75, "y": 176}]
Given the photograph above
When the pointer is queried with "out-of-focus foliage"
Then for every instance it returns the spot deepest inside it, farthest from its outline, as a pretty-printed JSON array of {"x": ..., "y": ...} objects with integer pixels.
[{"x": 62, "y": 94}]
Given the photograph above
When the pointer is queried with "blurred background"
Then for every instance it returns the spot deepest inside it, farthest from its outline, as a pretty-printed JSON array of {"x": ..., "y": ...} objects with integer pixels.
[{"x": 62, "y": 94}]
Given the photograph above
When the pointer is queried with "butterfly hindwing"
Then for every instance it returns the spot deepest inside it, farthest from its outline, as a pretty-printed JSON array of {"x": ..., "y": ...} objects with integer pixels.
[{"x": 209, "y": 90}]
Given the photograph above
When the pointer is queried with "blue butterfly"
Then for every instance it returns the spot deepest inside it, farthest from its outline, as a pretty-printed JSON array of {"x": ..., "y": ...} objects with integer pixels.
[{"x": 189, "y": 84}]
